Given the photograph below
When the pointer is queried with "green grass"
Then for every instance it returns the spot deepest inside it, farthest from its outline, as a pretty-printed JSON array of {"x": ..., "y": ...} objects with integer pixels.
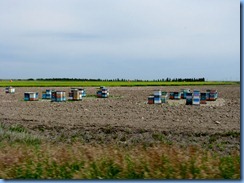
[
  {"x": 79, "y": 161},
  {"x": 5, "y": 83},
  {"x": 24, "y": 155},
  {"x": 18, "y": 134}
]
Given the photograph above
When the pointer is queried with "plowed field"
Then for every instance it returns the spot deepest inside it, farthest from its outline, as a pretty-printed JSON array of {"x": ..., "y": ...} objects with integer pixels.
[{"x": 126, "y": 118}]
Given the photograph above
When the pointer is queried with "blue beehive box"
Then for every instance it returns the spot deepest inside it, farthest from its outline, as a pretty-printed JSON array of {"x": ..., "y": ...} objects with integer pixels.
[
  {"x": 102, "y": 92},
  {"x": 196, "y": 101},
  {"x": 44, "y": 95},
  {"x": 47, "y": 94},
  {"x": 196, "y": 93},
  {"x": 157, "y": 100},
  {"x": 26, "y": 96},
  {"x": 83, "y": 93}
]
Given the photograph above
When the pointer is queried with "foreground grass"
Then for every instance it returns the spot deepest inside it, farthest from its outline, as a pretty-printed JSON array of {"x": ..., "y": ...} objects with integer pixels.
[
  {"x": 27, "y": 156},
  {"x": 5, "y": 83},
  {"x": 79, "y": 161}
]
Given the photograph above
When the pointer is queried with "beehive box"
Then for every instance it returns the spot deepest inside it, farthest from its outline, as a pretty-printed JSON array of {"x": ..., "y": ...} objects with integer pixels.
[
  {"x": 47, "y": 94},
  {"x": 157, "y": 93},
  {"x": 189, "y": 99},
  {"x": 177, "y": 95},
  {"x": 150, "y": 100},
  {"x": 196, "y": 97},
  {"x": 196, "y": 101},
  {"x": 164, "y": 97},
  {"x": 58, "y": 96},
  {"x": 196, "y": 93},
  {"x": 184, "y": 92},
  {"x": 213, "y": 95},
  {"x": 82, "y": 90},
  {"x": 103, "y": 92},
  {"x": 171, "y": 95},
  {"x": 203, "y": 98},
  {"x": 75, "y": 94},
  {"x": 164, "y": 93},
  {"x": 10, "y": 90},
  {"x": 157, "y": 100},
  {"x": 30, "y": 96}
]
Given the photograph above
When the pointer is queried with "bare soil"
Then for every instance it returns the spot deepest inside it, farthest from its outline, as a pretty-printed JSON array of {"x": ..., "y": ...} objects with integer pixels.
[{"x": 126, "y": 118}]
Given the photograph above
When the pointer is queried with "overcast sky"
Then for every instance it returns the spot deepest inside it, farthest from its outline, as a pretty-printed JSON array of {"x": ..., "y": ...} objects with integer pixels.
[{"x": 131, "y": 39}]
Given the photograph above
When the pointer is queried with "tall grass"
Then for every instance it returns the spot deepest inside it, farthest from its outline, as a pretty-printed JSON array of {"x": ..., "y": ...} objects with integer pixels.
[
  {"x": 79, "y": 161},
  {"x": 5, "y": 83},
  {"x": 16, "y": 133}
]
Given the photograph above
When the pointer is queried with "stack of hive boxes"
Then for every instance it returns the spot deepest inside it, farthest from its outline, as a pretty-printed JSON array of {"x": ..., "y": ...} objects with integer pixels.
[
  {"x": 82, "y": 90},
  {"x": 30, "y": 96},
  {"x": 196, "y": 97},
  {"x": 75, "y": 94},
  {"x": 211, "y": 95},
  {"x": 150, "y": 100},
  {"x": 171, "y": 95},
  {"x": 103, "y": 92},
  {"x": 157, "y": 97},
  {"x": 10, "y": 89},
  {"x": 203, "y": 98},
  {"x": 58, "y": 96},
  {"x": 175, "y": 95},
  {"x": 47, "y": 94},
  {"x": 184, "y": 92},
  {"x": 164, "y": 97}
]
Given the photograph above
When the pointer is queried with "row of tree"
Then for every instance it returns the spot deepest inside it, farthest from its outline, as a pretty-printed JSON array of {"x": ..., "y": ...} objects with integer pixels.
[{"x": 155, "y": 80}]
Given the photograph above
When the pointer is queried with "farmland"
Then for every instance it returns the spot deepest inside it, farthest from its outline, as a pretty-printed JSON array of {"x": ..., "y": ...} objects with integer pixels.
[
  {"x": 121, "y": 136},
  {"x": 23, "y": 83}
]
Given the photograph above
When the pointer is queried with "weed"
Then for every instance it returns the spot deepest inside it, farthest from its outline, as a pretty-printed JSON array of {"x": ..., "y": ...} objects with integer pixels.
[
  {"x": 212, "y": 139},
  {"x": 82, "y": 161},
  {"x": 18, "y": 134},
  {"x": 159, "y": 137},
  {"x": 193, "y": 168},
  {"x": 229, "y": 167},
  {"x": 183, "y": 170},
  {"x": 123, "y": 139},
  {"x": 17, "y": 128},
  {"x": 232, "y": 133}
]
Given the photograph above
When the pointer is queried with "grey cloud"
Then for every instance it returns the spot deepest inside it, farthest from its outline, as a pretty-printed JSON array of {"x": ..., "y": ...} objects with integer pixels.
[
  {"x": 63, "y": 36},
  {"x": 128, "y": 38}
]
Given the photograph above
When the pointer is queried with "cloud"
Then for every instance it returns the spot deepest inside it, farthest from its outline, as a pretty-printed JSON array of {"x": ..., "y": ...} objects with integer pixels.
[{"x": 126, "y": 36}]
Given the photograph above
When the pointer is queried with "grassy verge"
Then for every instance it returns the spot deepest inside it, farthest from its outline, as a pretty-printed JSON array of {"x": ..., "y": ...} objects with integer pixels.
[
  {"x": 27, "y": 156},
  {"x": 5, "y": 83},
  {"x": 79, "y": 161},
  {"x": 18, "y": 134}
]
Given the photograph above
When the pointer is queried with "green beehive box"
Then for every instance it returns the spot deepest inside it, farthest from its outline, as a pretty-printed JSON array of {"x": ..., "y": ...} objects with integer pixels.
[{"x": 164, "y": 99}]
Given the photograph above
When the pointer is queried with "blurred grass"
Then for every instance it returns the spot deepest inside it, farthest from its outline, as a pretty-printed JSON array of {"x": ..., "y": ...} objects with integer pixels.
[
  {"x": 5, "y": 83},
  {"x": 27, "y": 156},
  {"x": 16, "y": 133},
  {"x": 83, "y": 161}
]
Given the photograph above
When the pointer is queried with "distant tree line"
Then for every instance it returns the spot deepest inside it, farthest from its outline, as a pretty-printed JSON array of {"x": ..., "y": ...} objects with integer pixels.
[{"x": 117, "y": 79}]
